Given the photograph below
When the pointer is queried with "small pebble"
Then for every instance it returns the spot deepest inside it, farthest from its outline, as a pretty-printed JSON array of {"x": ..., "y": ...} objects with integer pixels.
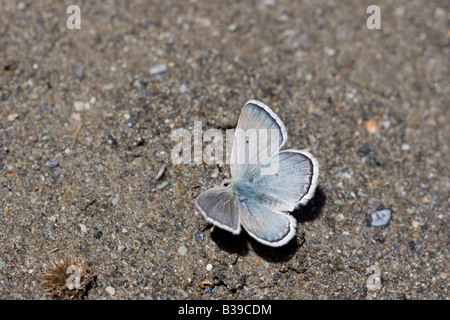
[
  {"x": 329, "y": 51},
  {"x": 340, "y": 217},
  {"x": 76, "y": 116},
  {"x": 232, "y": 27},
  {"x": 364, "y": 150},
  {"x": 79, "y": 106},
  {"x": 415, "y": 224},
  {"x": 380, "y": 218},
  {"x": 110, "y": 290},
  {"x": 121, "y": 248},
  {"x": 110, "y": 140},
  {"x": 371, "y": 126},
  {"x": 209, "y": 290},
  {"x": 12, "y": 116},
  {"x": 182, "y": 250},
  {"x": 405, "y": 147},
  {"x": 55, "y": 175},
  {"x": 115, "y": 200},
  {"x": 83, "y": 228},
  {"x": 51, "y": 164},
  {"x": 98, "y": 234},
  {"x": 161, "y": 172},
  {"x": 108, "y": 86},
  {"x": 158, "y": 69},
  {"x": 2, "y": 263},
  {"x": 199, "y": 237},
  {"x": 162, "y": 185},
  {"x": 132, "y": 120},
  {"x": 209, "y": 267}
]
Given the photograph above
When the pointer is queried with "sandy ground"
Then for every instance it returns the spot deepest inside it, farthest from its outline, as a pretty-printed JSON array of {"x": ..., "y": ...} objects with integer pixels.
[{"x": 86, "y": 118}]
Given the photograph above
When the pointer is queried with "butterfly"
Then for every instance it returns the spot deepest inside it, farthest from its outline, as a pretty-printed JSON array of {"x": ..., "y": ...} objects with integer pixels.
[{"x": 266, "y": 183}]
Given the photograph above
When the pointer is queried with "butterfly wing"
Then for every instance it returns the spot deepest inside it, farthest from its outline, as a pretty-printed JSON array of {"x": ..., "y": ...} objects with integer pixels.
[
  {"x": 219, "y": 206},
  {"x": 269, "y": 227},
  {"x": 294, "y": 182},
  {"x": 256, "y": 121}
]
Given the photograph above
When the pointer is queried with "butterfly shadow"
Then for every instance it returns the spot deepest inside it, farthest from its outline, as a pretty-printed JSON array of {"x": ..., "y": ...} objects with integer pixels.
[
  {"x": 312, "y": 210},
  {"x": 238, "y": 244}
]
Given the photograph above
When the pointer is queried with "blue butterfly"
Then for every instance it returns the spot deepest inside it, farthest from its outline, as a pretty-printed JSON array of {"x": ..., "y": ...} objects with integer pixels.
[{"x": 266, "y": 183}]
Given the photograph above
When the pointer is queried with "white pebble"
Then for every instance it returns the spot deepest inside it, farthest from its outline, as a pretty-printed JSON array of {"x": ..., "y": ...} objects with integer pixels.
[
  {"x": 330, "y": 51},
  {"x": 182, "y": 250},
  {"x": 79, "y": 106},
  {"x": 115, "y": 200},
  {"x": 160, "y": 68},
  {"x": 110, "y": 290},
  {"x": 380, "y": 218},
  {"x": 12, "y": 116}
]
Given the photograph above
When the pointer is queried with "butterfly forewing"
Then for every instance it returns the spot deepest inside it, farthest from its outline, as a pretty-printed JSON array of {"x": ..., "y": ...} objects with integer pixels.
[{"x": 259, "y": 134}]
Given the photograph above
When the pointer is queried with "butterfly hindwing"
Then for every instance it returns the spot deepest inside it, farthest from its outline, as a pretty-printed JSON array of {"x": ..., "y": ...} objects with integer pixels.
[
  {"x": 269, "y": 227},
  {"x": 219, "y": 206},
  {"x": 293, "y": 183}
]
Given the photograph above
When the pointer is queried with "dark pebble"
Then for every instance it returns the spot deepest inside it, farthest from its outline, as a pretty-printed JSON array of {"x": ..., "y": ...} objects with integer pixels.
[
  {"x": 98, "y": 234},
  {"x": 209, "y": 290},
  {"x": 287, "y": 282},
  {"x": 55, "y": 175},
  {"x": 277, "y": 276},
  {"x": 221, "y": 267},
  {"x": 138, "y": 152},
  {"x": 199, "y": 237},
  {"x": 380, "y": 240},
  {"x": 132, "y": 121},
  {"x": 364, "y": 150},
  {"x": 51, "y": 164},
  {"x": 110, "y": 140}
]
